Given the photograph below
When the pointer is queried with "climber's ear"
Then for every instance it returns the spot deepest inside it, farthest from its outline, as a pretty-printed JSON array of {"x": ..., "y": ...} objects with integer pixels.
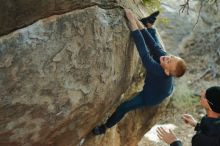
[{"x": 167, "y": 72}]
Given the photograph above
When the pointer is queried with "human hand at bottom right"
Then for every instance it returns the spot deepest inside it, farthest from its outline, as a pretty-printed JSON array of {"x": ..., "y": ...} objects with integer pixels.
[
  {"x": 165, "y": 136},
  {"x": 188, "y": 119}
]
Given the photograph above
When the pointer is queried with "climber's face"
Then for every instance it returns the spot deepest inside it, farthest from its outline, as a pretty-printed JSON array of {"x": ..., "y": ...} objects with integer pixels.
[{"x": 169, "y": 63}]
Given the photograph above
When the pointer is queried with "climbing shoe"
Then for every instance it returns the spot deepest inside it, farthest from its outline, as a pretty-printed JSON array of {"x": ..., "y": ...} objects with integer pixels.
[
  {"x": 151, "y": 18},
  {"x": 99, "y": 130}
]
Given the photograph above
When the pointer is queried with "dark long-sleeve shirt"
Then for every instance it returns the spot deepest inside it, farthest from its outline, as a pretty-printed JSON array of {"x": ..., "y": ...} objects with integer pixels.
[
  {"x": 208, "y": 133},
  {"x": 176, "y": 143},
  {"x": 157, "y": 85}
]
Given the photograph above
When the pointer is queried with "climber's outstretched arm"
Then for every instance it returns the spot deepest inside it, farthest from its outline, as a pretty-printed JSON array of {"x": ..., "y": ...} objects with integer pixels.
[
  {"x": 147, "y": 60},
  {"x": 132, "y": 22},
  {"x": 132, "y": 19},
  {"x": 150, "y": 42}
]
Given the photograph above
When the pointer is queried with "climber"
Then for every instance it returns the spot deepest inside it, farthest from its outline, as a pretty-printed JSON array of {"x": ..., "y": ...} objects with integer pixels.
[
  {"x": 160, "y": 72},
  {"x": 208, "y": 130}
]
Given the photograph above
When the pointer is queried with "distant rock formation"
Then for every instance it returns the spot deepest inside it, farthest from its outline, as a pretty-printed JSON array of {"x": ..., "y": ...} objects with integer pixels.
[
  {"x": 201, "y": 49},
  {"x": 61, "y": 75}
]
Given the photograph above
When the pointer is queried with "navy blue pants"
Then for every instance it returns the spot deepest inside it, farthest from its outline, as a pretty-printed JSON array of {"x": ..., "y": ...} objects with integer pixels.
[{"x": 134, "y": 103}]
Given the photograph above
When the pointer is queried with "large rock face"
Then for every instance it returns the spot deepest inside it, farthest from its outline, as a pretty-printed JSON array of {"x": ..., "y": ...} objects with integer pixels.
[
  {"x": 64, "y": 74},
  {"x": 20, "y": 13}
]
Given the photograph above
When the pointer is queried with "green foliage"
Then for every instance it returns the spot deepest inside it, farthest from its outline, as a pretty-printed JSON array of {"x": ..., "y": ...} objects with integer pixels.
[
  {"x": 183, "y": 97},
  {"x": 152, "y": 4},
  {"x": 163, "y": 21}
]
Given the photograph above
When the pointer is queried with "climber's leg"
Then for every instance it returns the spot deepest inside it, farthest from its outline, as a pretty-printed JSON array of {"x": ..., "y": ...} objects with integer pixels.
[
  {"x": 122, "y": 109},
  {"x": 156, "y": 37},
  {"x": 150, "y": 20},
  {"x": 135, "y": 102},
  {"x": 153, "y": 32}
]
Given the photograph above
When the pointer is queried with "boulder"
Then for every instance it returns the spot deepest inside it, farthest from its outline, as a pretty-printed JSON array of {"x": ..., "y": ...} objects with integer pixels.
[{"x": 61, "y": 75}]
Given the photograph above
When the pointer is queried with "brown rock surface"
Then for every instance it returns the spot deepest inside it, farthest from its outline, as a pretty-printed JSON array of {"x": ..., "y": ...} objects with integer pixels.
[
  {"x": 64, "y": 74},
  {"x": 21, "y": 13}
]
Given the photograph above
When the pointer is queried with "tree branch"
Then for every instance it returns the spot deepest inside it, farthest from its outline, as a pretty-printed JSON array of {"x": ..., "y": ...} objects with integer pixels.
[
  {"x": 200, "y": 8},
  {"x": 184, "y": 6}
]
